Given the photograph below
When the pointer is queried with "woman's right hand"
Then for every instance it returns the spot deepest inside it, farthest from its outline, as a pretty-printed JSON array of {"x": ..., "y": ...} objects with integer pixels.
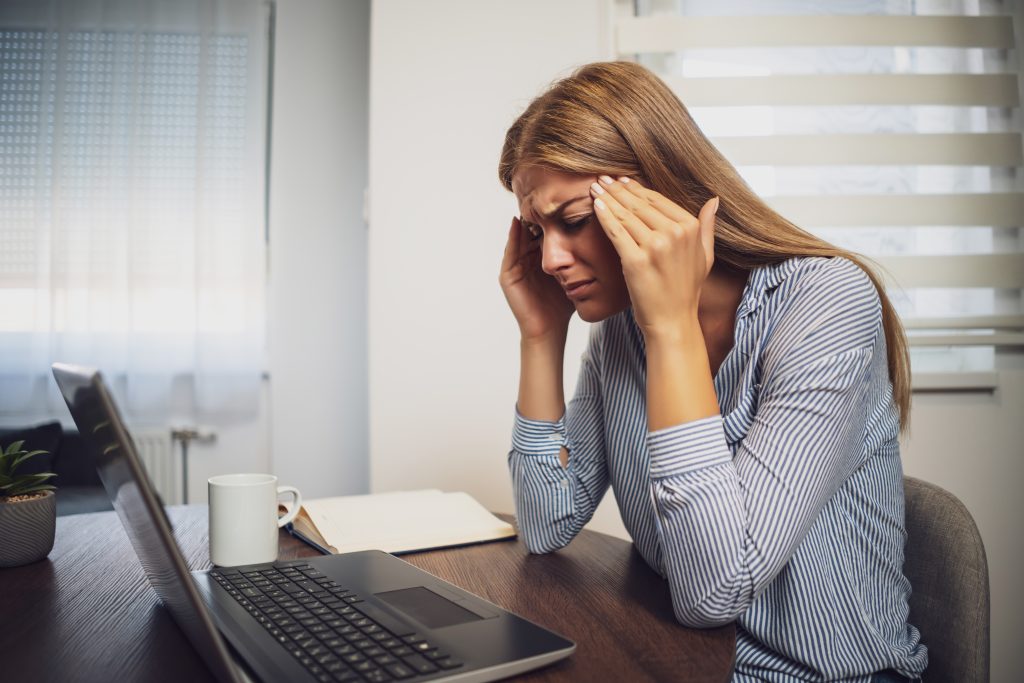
[{"x": 536, "y": 299}]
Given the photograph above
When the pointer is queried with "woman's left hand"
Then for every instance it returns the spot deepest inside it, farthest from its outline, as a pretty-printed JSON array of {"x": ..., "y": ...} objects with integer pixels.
[{"x": 666, "y": 252}]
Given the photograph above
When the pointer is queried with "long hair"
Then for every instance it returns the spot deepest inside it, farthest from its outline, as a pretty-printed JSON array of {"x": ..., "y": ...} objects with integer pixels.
[{"x": 619, "y": 119}]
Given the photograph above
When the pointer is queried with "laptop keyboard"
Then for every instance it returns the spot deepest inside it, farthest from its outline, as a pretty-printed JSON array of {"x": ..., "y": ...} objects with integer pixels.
[{"x": 330, "y": 630}]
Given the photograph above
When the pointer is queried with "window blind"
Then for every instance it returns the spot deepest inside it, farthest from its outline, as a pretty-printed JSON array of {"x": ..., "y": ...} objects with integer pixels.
[{"x": 890, "y": 128}]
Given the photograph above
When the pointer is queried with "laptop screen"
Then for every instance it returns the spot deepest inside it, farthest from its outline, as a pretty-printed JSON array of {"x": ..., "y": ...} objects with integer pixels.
[{"x": 140, "y": 510}]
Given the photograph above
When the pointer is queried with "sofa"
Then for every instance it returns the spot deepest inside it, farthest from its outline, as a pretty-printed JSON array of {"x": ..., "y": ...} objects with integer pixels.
[{"x": 79, "y": 488}]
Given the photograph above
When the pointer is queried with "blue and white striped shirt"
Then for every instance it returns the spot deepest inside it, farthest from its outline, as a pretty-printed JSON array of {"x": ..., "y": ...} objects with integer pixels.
[{"x": 785, "y": 512}]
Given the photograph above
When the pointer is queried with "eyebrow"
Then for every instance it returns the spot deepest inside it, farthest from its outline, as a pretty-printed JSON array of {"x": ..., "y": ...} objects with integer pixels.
[{"x": 558, "y": 209}]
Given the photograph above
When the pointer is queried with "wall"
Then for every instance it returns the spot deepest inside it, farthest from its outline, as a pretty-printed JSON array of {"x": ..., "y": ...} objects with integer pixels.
[
  {"x": 317, "y": 302},
  {"x": 446, "y": 81}
]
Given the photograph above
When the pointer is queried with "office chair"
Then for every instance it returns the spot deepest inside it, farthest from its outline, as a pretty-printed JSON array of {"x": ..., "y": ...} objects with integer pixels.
[{"x": 949, "y": 602}]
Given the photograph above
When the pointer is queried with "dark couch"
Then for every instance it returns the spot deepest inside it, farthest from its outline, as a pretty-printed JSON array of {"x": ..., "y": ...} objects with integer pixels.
[{"x": 79, "y": 488}]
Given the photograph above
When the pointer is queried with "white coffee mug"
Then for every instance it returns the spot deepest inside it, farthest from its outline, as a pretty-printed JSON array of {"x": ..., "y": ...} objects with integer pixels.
[{"x": 243, "y": 518}]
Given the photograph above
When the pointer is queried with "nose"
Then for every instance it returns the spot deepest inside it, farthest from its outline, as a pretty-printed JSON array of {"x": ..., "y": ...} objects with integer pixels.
[{"x": 556, "y": 252}]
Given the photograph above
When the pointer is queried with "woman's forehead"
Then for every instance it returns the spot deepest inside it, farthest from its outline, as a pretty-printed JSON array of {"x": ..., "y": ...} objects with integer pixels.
[{"x": 541, "y": 190}]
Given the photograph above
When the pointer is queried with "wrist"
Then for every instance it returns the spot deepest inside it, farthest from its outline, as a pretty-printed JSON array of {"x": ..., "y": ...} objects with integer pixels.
[
  {"x": 553, "y": 340},
  {"x": 678, "y": 333}
]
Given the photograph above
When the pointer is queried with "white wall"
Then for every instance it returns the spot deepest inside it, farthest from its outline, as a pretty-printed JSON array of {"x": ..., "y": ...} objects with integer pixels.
[
  {"x": 317, "y": 299},
  {"x": 447, "y": 79}
]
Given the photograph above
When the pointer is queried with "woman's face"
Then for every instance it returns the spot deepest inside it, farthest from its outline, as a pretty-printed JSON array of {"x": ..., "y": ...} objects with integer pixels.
[{"x": 557, "y": 209}]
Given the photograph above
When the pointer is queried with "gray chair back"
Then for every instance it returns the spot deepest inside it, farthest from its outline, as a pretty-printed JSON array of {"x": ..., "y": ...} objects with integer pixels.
[{"x": 948, "y": 573}]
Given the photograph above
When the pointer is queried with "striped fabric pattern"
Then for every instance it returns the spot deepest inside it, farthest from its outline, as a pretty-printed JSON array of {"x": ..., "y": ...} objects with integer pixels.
[{"x": 785, "y": 512}]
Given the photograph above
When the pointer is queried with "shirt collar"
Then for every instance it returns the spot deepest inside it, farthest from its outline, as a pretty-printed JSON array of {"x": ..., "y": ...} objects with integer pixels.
[{"x": 763, "y": 279}]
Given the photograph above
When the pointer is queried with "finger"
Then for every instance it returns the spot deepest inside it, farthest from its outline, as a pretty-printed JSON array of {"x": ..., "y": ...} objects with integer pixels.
[
  {"x": 630, "y": 196},
  {"x": 706, "y": 218},
  {"x": 658, "y": 201},
  {"x": 623, "y": 242},
  {"x": 633, "y": 226},
  {"x": 512, "y": 245}
]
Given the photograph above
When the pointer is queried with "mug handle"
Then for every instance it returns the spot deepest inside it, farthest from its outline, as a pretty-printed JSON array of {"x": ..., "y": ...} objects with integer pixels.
[{"x": 281, "y": 521}]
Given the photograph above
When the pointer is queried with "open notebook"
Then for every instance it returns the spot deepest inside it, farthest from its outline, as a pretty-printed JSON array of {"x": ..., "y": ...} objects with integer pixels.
[{"x": 398, "y": 522}]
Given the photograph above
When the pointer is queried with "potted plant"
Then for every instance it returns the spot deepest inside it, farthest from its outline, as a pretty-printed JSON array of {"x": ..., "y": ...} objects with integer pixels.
[{"x": 28, "y": 509}]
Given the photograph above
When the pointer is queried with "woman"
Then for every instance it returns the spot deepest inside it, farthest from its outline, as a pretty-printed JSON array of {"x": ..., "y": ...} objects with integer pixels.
[{"x": 742, "y": 391}]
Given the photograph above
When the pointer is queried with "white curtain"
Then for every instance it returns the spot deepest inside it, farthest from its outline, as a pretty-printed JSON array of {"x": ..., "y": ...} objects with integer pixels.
[{"x": 132, "y": 218}]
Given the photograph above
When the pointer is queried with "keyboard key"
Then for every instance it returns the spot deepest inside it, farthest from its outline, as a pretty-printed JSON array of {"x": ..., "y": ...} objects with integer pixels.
[
  {"x": 400, "y": 671},
  {"x": 384, "y": 619},
  {"x": 448, "y": 663},
  {"x": 376, "y": 676},
  {"x": 365, "y": 666},
  {"x": 419, "y": 664},
  {"x": 402, "y": 651}
]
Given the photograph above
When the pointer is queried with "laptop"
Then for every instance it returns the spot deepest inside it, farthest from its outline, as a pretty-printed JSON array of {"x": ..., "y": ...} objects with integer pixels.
[{"x": 363, "y": 616}]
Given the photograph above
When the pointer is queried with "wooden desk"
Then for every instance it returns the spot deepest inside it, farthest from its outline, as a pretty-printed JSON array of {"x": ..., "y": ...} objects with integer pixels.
[{"x": 87, "y": 613}]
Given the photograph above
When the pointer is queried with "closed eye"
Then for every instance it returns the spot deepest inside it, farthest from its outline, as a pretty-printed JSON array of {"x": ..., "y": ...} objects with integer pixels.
[{"x": 577, "y": 223}]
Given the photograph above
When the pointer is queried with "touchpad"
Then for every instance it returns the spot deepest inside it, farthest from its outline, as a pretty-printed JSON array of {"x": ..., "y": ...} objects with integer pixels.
[{"x": 427, "y": 607}]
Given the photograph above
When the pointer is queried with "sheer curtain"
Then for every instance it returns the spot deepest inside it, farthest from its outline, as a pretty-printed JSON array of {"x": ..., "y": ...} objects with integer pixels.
[{"x": 132, "y": 222}]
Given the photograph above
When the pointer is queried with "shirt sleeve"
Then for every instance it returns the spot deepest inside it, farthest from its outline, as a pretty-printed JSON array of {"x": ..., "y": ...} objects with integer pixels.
[
  {"x": 554, "y": 503},
  {"x": 729, "y": 525}
]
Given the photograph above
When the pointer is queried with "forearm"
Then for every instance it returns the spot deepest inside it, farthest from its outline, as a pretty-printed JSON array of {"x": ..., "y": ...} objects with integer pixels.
[
  {"x": 680, "y": 387},
  {"x": 541, "y": 394}
]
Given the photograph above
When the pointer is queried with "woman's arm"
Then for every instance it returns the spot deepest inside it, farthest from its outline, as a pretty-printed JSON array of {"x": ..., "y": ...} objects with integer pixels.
[
  {"x": 555, "y": 493},
  {"x": 558, "y": 466},
  {"x": 728, "y": 524}
]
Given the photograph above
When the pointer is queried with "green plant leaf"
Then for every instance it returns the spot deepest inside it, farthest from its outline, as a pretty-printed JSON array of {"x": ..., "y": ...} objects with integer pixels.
[
  {"x": 22, "y": 458},
  {"x": 23, "y": 490},
  {"x": 14, "y": 448}
]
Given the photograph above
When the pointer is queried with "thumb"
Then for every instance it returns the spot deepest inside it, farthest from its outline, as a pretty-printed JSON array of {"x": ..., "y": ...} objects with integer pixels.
[{"x": 706, "y": 218}]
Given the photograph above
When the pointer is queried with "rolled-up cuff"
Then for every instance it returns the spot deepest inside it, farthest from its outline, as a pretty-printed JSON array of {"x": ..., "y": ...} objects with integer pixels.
[
  {"x": 538, "y": 437},
  {"x": 688, "y": 447}
]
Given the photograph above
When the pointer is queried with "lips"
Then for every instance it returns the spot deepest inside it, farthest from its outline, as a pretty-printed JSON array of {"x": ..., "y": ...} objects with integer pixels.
[{"x": 577, "y": 289}]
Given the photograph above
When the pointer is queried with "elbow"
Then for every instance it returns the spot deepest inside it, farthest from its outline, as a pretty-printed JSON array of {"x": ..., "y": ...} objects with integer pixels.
[
  {"x": 706, "y": 613},
  {"x": 540, "y": 545}
]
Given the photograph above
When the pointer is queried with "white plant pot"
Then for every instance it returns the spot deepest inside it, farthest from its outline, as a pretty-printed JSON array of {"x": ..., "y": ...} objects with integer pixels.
[{"x": 27, "y": 529}]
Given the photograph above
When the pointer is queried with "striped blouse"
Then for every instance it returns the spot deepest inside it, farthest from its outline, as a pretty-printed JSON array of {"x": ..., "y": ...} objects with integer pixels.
[{"x": 785, "y": 512}]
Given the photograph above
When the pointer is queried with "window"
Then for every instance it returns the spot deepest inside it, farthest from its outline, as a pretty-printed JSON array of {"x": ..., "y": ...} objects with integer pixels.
[
  {"x": 131, "y": 202},
  {"x": 887, "y": 127}
]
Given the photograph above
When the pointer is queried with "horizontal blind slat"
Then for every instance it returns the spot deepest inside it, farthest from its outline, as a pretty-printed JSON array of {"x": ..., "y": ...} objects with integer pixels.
[
  {"x": 983, "y": 90},
  {"x": 1003, "y": 210},
  {"x": 967, "y": 322},
  {"x": 668, "y": 34},
  {"x": 972, "y": 270},
  {"x": 1003, "y": 339},
  {"x": 885, "y": 149},
  {"x": 923, "y": 382}
]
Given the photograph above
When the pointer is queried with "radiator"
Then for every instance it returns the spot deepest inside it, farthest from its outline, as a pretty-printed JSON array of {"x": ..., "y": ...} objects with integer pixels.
[{"x": 159, "y": 457}]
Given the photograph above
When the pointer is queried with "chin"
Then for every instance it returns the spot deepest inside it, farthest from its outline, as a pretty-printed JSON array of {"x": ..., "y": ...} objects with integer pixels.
[{"x": 594, "y": 311}]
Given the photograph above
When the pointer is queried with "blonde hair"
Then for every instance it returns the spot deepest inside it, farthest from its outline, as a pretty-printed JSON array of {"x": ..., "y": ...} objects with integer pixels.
[{"x": 618, "y": 118}]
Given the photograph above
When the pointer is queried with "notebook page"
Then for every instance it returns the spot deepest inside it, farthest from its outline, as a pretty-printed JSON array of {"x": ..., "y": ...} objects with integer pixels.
[{"x": 404, "y": 521}]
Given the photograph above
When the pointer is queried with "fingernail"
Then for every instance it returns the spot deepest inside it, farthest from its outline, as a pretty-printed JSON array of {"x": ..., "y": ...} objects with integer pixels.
[
  {"x": 596, "y": 188},
  {"x": 715, "y": 210},
  {"x": 623, "y": 179},
  {"x": 606, "y": 180},
  {"x": 598, "y": 203}
]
